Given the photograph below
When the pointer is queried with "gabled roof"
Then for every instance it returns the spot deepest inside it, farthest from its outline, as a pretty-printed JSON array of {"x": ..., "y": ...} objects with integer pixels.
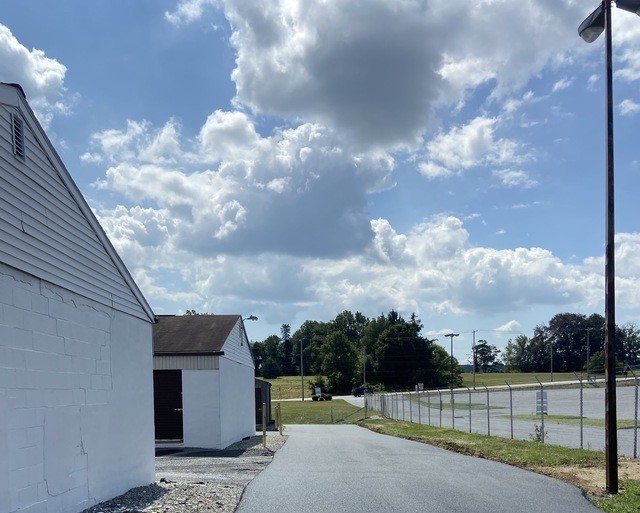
[
  {"x": 192, "y": 334},
  {"x": 12, "y": 95}
]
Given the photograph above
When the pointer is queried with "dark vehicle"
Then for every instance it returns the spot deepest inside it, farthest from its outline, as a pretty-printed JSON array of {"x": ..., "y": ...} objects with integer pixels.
[{"x": 360, "y": 391}]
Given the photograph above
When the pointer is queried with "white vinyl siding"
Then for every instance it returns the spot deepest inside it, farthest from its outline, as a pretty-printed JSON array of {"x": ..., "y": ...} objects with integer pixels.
[
  {"x": 186, "y": 362},
  {"x": 236, "y": 347},
  {"x": 43, "y": 230}
]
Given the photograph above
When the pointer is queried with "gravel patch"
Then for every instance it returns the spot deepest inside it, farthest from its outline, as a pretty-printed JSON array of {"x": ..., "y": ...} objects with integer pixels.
[{"x": 198, "y": 480}]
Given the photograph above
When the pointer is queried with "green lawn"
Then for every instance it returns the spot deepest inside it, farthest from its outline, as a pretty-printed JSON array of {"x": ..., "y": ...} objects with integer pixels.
[
  {"x": 337, "y": 411},
  {"x": 289, "y": 387}
]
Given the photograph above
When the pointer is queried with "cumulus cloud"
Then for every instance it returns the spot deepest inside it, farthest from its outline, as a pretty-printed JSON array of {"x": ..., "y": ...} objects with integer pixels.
[
  {"x": 434, "y": 269},
  {"x": 510, "y": 327},
  {"x": 468, "y": 146},
  {"x": 41, "y": 77},
  {"x": 188, "y": 11},
  {"x": 375, "y": 71},
  {"x": 298, "y": 191},
  {"x": 629, "y": 107}
]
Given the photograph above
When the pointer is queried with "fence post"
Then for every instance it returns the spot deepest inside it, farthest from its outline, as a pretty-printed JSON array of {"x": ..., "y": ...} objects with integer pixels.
[
  {"x": 440, "y": 397},
  {"x": 366, "y": 397},
  {"x": 410, "y": 408},
  {"x": 581, "y": 412},
  {"x": 541, "y": 408},
  {"x": 419, "y": 419},
  {"x": 280, "y": 418},
  {"x": 510, "y": 408},
  {"x": 453, "y": 409},
  {"x": 635, "y": 415},
  {"x": 264, "y": 425},
  {"x": 402, "y": 395},
  {"x": 429, "y": 408},
  {"x": 488, "y": 416},
  {"x": 469, "y": 391}
]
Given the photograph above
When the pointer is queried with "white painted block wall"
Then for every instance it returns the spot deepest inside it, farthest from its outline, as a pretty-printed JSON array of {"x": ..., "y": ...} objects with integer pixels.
[
  {"x": 237, "y": 401},
  {"x": 201, "y": 408},
  {"x": 76, "y": 399}
]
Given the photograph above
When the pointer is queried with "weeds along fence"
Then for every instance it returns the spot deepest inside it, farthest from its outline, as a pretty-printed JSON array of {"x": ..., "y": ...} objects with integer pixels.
[{"x": 568, "y": 414}]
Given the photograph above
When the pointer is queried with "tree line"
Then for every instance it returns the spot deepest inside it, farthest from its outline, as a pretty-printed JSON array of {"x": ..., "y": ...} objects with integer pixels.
[
  {"x": 352, "y": 349},
  {"x": 571, "y": 340}
]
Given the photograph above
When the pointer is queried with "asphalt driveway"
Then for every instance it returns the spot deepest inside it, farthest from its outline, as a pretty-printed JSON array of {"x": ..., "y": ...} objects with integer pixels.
[{"x": 347, "y": 469}]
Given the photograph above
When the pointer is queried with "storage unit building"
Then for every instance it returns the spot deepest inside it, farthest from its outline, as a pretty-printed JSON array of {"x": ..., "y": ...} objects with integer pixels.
[
  {"x": 203, "y": 380},
  {"x": 76, "y": 407}
]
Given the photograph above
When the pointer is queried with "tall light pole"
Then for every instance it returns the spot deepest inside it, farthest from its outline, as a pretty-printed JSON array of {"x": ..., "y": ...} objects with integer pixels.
[
  {"x": 589, "y": 30},
  {"x": 452, "y": 335}
]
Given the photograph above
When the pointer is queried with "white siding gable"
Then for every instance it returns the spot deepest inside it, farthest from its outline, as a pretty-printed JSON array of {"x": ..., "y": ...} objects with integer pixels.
[
  {"x": 236, "y": 347},
  {"x": 46, "y": 227}
]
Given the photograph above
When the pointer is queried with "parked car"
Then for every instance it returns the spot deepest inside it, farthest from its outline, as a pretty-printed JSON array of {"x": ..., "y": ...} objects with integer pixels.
[{"x": 360, "y": 391}]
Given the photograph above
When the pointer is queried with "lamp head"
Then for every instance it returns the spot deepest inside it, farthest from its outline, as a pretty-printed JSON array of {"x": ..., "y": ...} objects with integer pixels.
[
  {"x": 591, "y": 28},
  {"x": 629, "y": 5}
]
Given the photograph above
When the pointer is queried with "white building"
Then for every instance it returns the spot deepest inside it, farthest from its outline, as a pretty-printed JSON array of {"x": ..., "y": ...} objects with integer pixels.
[
  {"x": 76, "y": 408},
  {"x": 204, "y": 391}
]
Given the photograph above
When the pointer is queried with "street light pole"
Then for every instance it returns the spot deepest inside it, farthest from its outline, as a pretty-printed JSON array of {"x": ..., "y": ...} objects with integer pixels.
[
  {"x": 610, "y": 421},
  {"x": 589, "y": 30}
]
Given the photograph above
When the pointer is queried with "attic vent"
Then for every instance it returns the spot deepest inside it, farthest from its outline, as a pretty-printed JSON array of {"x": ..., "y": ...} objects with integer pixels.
[{"x": 18, "y": 136}]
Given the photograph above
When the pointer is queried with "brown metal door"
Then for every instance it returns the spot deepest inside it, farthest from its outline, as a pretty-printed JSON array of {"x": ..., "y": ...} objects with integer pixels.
[{"x": 167, "y": 403}]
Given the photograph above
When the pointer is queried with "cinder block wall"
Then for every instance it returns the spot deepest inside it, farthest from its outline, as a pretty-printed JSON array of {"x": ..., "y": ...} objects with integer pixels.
[{"x": 76, "y": 399}]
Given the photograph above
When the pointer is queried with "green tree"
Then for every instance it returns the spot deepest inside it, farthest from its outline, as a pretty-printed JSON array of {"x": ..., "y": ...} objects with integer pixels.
[
  {"x": 339, "y": 362},
  {"x": 271, "y": 369},
  {"x": 517, "y": 355},
  {"x": 287, "y": 364},
  {"x": 486, "y": 355},
  {"x": 310, "y": 336}
]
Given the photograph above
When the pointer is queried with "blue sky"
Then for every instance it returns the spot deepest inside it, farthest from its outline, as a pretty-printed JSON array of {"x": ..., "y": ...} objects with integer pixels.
[{"x": 292, "y": 159}]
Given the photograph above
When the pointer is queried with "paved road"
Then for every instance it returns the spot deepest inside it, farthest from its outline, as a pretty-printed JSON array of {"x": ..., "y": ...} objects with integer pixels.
[{"x": 345, "y": 469}]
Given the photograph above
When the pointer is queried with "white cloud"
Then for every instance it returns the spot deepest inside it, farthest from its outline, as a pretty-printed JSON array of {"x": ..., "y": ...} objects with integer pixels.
[
  {"x": 188, "y": 11},
  {"x": 298, "y": 191},
  {"x": 629, "y": 107},
  {"x": 41, "y": 77},
  {"x": 514, "y": 178},
  {"x": 325, "y": 62},
  {"x": 561, "y": 84},
  {"x": 510, "y": 327},
  {"x": 468, "y": 146}
]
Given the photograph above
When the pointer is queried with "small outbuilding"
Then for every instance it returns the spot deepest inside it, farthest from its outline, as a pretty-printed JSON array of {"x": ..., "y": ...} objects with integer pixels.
[
  {"x": 263, "y": 397},
  {"x": 76, "y": 389},
  {"x": 203, "y": 375}
]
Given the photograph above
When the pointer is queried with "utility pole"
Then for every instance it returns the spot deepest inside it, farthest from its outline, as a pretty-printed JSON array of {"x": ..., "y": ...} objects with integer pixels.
[
  {"x": 452, "y": 335},
  {"x": 301, "y": 372},
  {"x": 588, "y": 330},
  {"x": 473, "y": 349}
]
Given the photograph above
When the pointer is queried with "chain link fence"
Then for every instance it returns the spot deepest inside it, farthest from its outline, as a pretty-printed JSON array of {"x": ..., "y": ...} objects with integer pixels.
[{"x": 568, "y": 414}]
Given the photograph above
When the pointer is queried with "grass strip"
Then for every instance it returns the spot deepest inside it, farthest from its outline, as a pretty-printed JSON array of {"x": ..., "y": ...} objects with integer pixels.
[
  {"x": 522, "y": 453},
  {"x": 571, "y": 419},
  {"x": 337, "y": 411},
  {"x": 627, "y": 501}
]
